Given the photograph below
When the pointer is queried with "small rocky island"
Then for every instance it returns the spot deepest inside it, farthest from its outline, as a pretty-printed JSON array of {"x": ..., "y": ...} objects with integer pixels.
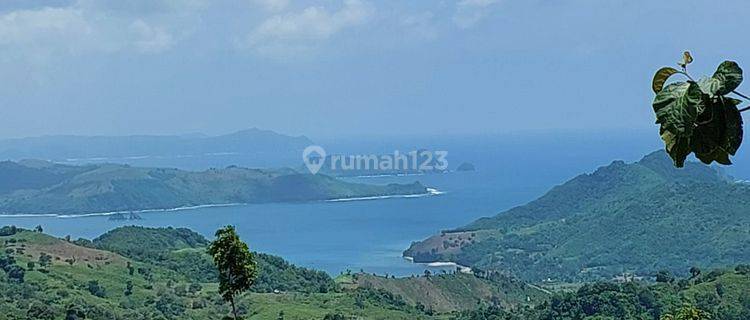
[{"x": 465, "y": 167}]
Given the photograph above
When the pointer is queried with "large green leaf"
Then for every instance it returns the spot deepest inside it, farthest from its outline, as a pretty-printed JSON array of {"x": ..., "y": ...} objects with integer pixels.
[
  {"x": 710, "y": 86},
  {"x": 678, "y": 147},
  {"x": 677, "y": 107},
  {"x": 729, "y": 75},
  {"x": 709, "y": 136},
  {"x": 661, "y": 77},
  {"x": 719, "y": 131},
  {"x": 733, "y": 125}
]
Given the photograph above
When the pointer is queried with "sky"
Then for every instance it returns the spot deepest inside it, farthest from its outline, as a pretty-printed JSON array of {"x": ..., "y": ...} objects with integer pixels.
[{"x": 330, "y": 68}]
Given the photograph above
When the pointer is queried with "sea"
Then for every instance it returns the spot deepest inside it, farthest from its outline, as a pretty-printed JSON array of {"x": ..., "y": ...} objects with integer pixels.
[{"x": 370, "y": 235}]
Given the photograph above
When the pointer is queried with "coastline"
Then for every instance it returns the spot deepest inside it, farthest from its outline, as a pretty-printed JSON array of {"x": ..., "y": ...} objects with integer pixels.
[
  {"x": 430, "y": 192},
  {"x": 442, "y": 264},
  {"x": 110, "y": 213}
]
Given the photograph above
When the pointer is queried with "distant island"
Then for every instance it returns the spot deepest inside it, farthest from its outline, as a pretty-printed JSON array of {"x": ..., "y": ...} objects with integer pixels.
[
  {"x": 251, "y": 147},
  {"x": 40, "y": 187},
  {"x": 640, "y": 218},
  {"x": 465, "y": 167}
]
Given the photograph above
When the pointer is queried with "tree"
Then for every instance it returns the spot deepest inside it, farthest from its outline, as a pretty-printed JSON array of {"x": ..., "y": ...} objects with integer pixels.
[
  {"x": 15, "y": 273},
  {"x": 95, "y": 289},
  {"x": 699, "y": 117},
  {"x": 195, "y": 288},
  {"x": 687, "y": 312},
  {"x": 40, "y": 311},
  {"x": 664, "y": 276},
  {"x": 45, "y": 260},
  {"x": 235, "y": 263},
  {"x": 129, "y": 288},
  {"x": 694, "y": 272},
  {"x": 39, "y": 229}
]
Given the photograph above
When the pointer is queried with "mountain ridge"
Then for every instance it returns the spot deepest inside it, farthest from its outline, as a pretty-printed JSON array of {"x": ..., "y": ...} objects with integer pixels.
[
  {"x": 639, "y": 217},
  {"x": 48, "y": 188}
]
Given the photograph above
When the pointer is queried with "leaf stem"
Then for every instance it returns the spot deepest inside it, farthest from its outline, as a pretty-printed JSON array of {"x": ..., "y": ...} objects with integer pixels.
[
  {"x": 741, "y": 95},
  {"x": 684, "y": 71},
  {"x": 744, "y": 109}
]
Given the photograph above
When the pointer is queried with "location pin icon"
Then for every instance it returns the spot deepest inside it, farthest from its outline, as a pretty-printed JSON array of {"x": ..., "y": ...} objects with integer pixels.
[{"x": 314, "y": 158}]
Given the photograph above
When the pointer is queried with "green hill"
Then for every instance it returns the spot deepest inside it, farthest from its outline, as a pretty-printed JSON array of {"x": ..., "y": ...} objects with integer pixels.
[
  {"x": 184, "y": 252},
  {"x": 43, "y": 187},
  {"x": 165, "y": 273},
  {"x": 42, "y": 277},
  {"x": 639, "y": 218}
]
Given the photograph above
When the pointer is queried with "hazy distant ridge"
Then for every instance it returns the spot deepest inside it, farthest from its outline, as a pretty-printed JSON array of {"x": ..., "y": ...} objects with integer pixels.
[{"x": 266, "y": 146}]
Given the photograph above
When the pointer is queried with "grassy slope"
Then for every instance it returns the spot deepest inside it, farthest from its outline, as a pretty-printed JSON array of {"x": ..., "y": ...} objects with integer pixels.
[
  {"x": 444, "y": 293},
  {"x": 63, "y": 285},
  {"x": 639, "y": 217}
]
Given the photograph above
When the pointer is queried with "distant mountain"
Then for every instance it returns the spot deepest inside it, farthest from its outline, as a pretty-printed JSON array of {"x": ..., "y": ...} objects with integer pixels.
[
  {"x": 640, "y": 217},
  {"x": 44, "y": 187},
  {"x": 466, "y": 166},
  {"x": 253, "y": 147}
]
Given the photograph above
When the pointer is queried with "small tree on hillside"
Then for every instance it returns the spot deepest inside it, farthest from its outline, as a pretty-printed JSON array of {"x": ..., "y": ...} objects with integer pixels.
[
  {"x": 694, "y": 272},
  {"x": 235, "y": 263}
]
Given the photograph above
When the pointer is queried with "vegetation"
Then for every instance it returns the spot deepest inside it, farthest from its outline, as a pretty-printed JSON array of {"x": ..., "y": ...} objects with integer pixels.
[
  {"x": 720, "y": 294},
  {"x": 82, "y": 282},
  {"x": 184, "y": 252},
  {"x": 698, "y": 116},
  {"x": 446, "y": 292},
  {"x": 43, "y": 187},
  {"x": 637, "y": 218},
  {"x": 235, "y": 264}
]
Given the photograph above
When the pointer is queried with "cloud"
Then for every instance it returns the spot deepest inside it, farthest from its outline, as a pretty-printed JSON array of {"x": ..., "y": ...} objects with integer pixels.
[
  {"x": 86, "y": 26},
  {"x": 470, "y": 12},
  {"x": 304, "y": 30},
  {"x": 35, "y": 28},
  {"x": 420, "y": 25},
  {"x": 272, "y": 5},
  {"x": 149, "y": 38}
]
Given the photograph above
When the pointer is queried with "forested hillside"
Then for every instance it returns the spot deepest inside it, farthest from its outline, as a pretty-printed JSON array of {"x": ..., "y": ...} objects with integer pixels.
[
  {"x": 638, "y": 218},
  {"x": 45, "y": 187}
]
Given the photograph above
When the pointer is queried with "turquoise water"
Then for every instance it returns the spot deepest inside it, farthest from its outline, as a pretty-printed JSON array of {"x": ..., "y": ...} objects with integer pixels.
[{"x": 371, "y": 235}]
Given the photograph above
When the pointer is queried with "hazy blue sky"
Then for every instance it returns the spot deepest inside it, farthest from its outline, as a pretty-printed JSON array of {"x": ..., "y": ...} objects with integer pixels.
[{"x": 329, "y": 67}]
